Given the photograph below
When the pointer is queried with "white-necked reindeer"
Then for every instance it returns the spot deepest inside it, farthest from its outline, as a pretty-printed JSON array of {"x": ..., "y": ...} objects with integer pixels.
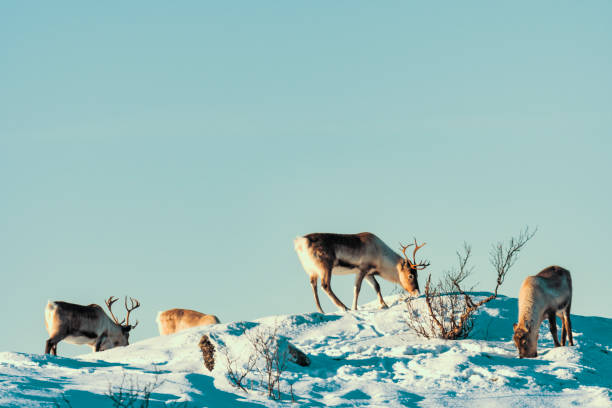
[
  {"x": 79, "y": 324},
  {"x": 364, "y": 254},
  {"x": 545, "y": 295}
]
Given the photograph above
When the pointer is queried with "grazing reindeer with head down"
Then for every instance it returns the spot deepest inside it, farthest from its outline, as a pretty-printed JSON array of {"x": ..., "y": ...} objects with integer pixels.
[
  {"x": 174, "y": 320},
  {"x": 87, "y": 325},
  {"x": 545, "y": 295},
  {"x": 363, "y": 254}
]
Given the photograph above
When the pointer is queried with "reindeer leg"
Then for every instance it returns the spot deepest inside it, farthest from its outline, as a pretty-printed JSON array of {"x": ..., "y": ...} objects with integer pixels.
[
  {"x": 372, "y": 281},
  {"x": 561, "y": 315},
  {"x": 358, "y": 279},
  {"x": 51, "y": 345},
  {"x": 568, "y": 323},
  {"x": 313, "y": 282},
  {"x": 552, "y": 320},
  {"x": 48, "y": 346},
  {"x": 563, "y": 330},
  {"x": 99, "y": 341},
  {"x": 326, "y": 285}
]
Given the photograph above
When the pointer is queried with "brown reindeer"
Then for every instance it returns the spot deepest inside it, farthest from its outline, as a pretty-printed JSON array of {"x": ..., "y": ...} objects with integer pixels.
[
  {"x": 79, "y": 324},
  {"x": 543, "y": 296},
  {"x": 174, "y": 320},
  {"x": 363, "y": 254}
]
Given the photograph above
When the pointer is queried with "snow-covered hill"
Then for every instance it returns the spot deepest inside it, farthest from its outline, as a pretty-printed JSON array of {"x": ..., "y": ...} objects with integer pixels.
[{"x": 364, "y": 358}]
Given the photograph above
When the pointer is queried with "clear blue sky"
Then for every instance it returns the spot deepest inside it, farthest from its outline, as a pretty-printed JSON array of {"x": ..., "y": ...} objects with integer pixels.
[{"x": 172, "y": 152}]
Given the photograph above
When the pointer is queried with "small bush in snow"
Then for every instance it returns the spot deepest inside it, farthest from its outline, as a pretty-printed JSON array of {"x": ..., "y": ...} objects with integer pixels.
[
  {"x": 236, "y": 372},
  {"x": 449, "y": 309},
  {"x": 273, "y": 358},
  {"x": 268, "y": 358},
  {"x": 130, "y": 393}
]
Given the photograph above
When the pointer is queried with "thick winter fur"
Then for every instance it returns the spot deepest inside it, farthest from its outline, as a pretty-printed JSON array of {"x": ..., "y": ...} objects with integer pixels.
[
  {"x": 78, "y": 324},
  {"x": 543, "y": 296},
  {"x": 174, "y": 320},
  {"x": 364, "y": 254}
]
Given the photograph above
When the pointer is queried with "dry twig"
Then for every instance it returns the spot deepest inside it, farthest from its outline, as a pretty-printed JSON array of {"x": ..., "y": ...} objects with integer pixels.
[
  {"x": 235, "y": 372},
  {"x": 450, "y": 308},
  {"x": 266, "y": 344}
]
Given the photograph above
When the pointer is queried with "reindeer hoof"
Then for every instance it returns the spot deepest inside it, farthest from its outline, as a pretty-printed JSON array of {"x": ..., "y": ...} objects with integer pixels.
[{"x": 384, "y": 306}]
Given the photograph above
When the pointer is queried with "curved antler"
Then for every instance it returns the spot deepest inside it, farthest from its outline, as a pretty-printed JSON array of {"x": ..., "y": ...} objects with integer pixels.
[
  {"x": 109, "y": 304},
  {"x": 417, "y": 247},
  {"x": 412, "y": 262},
  {"x": 135, "y": 304},
  {"x": 404, "y": 248}
]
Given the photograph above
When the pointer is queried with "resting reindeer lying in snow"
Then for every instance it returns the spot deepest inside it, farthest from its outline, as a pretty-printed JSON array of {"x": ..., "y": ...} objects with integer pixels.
[
  {"x": 87, "y": 325},
  {"x": 545, "y": 295},
  {"x": 174, "y": 320},
  {"x": 363, "y": 254}
]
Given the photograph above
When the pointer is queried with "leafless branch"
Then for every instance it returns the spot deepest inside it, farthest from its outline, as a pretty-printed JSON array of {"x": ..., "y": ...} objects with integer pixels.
[
  {"x": 266, "y": 344},
  {"x": 236, "y": 373},
  {"x": 450, "y": 308},
  {"x": 129, "y": 392}
]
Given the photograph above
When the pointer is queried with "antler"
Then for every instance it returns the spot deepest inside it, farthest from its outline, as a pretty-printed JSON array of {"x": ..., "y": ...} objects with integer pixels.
[
  {"x": 416, "y": 248},
  {"x": 109, "y": 304},
  {"x": 404, "y": 248},
  {"x": 414, "y": 264},
  {"x": 135, "y": 304}
]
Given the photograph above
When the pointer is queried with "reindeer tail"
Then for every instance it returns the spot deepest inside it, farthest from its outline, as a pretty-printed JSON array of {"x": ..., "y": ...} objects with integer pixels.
[
  {"x": 49, "y": 313},
  {"x": 301, "y": 244}
]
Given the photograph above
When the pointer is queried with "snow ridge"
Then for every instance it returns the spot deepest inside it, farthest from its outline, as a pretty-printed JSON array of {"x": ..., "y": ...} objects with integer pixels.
[{"x": 363, "y": 358}]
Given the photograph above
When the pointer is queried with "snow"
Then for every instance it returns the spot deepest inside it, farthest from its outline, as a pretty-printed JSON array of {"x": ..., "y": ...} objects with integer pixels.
[{"x": 358, "y": 358}]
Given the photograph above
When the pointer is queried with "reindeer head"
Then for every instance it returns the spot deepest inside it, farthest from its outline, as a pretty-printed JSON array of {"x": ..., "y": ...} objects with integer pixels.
[
  {"x": 408, "y": 269},
  {"x": 120, "y": 337},
  {"x": 527, "y": 348}
]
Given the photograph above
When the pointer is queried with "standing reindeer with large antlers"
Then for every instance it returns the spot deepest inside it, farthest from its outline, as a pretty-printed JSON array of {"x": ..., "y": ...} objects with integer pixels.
[
  {"x": 79, "y": 324},
  {"x": 364, "y": 254}
]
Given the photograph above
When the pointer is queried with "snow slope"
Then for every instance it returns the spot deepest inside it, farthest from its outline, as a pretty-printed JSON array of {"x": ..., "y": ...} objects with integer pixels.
[{"x": 363, "y": 358}]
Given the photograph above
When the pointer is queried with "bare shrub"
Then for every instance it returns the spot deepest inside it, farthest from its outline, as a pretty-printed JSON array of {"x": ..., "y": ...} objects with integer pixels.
[
  {"x": 449, "y": 309},
  {"x": 267, "y": 358},
  {"x": 129, "y": 393},
  {"x": 237, "y": 373},
  {"x": 273, "y": 357},
  {"x": 208, "y": 352}
]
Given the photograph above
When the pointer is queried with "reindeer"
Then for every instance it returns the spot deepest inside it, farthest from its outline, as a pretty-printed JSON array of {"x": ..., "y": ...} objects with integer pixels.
[
  {"x": 363, "y": 254},
  {"x": 79, "y": 324},
  {"x": 174, "y": 320},
  {"x": 545, "y": 295}
]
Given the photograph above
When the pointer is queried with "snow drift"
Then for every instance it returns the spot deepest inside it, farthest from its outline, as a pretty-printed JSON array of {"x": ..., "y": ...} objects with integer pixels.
[{"x": 363, "y": 358}]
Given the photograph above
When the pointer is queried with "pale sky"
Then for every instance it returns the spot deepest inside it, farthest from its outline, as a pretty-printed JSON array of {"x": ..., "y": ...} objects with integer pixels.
[{"x": 172, "y": 152}]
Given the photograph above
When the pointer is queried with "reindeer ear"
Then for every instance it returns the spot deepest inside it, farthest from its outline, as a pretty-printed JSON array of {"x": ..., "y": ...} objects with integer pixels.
[{"x": 514, "y": 326}]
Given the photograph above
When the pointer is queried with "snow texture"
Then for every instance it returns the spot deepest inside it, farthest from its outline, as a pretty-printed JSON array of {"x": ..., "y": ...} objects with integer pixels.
[{"x": 363, "y": 358}]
